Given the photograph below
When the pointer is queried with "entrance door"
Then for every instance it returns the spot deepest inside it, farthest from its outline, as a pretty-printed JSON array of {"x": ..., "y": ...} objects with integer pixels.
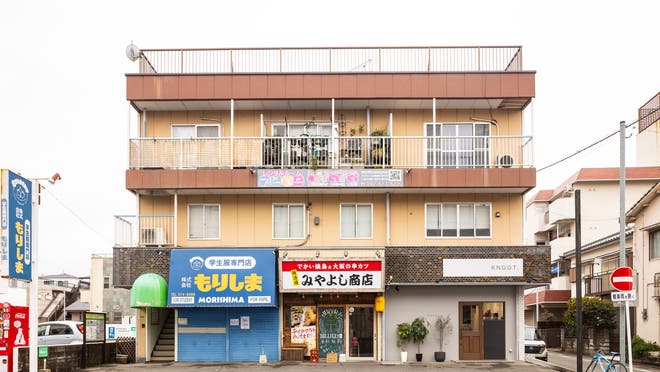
[
  {"x": 360, "y": 332},
  {"x": 471, "y": 332}
]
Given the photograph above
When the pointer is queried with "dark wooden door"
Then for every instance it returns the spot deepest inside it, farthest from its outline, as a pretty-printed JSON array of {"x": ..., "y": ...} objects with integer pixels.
[{"x": 471, "y": 332}]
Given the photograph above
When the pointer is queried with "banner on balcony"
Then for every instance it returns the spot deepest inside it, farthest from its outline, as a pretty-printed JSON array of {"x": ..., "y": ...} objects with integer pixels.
[
  {"x": 16, "y": 226},
  {"x": 330, "y": 178},
  {"x": 332, "y": 276},
  {"x": 222, "y": 278}
]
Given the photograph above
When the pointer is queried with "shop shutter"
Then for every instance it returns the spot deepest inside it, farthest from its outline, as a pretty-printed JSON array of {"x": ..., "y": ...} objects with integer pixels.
[
  {"x": 245, "y": 345},
  {"x": 203, "y": 346}
]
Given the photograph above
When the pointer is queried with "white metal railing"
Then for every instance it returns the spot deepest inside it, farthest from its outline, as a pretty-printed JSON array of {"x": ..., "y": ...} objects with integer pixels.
[
  {"x": 328, "y": 152},
  {"x": 144, "y": 230},
  {"x": 331, "y": 60}
]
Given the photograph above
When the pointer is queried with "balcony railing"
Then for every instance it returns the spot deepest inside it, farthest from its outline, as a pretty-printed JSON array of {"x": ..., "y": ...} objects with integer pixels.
[
  {"x": 599, "y": 284},
  {"x": 144, "y": 231},
  {"x": 327, "y": 152},
  {"x": 331, "y": 60}
]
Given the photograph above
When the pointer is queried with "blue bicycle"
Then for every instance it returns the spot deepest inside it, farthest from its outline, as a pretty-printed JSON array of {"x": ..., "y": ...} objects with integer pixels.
[{"x": 599, "y": 360}]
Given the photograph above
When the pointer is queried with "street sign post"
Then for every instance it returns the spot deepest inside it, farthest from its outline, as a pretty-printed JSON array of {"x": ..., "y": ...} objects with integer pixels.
[{"x": 622, "y": 279}]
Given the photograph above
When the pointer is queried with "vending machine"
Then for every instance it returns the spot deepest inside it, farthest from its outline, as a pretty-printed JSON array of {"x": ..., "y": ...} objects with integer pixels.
[{"x": 14, "y": 331}]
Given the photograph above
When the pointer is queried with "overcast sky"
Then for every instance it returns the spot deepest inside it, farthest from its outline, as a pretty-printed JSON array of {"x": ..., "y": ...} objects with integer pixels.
[{"x": 63, "y": 99}]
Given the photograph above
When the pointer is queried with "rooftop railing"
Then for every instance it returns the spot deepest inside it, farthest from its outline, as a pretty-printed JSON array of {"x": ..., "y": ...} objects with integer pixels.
[
  {"x": 326, "y": 152},
  {"x": 331, "y": 60},
  {"x": 144, "y": 231}
]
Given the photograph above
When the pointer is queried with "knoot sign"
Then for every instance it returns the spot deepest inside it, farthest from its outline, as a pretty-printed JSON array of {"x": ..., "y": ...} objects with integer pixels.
[{"x": 222, "y": 278}]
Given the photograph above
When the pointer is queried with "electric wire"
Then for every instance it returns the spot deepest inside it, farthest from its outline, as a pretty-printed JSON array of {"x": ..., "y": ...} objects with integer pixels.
[{"x": 595, "y": 143}]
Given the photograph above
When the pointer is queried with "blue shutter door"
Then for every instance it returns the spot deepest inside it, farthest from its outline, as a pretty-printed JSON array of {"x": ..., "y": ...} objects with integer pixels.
[
  {"x": 245, "y": 345},
  {"x": 203, "y": 347}
]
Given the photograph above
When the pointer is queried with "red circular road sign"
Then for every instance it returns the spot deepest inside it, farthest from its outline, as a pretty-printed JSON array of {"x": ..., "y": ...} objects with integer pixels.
[{"x": 622, "y": 279}]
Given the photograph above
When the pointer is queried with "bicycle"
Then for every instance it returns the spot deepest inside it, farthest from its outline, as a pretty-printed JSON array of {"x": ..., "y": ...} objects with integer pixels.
[{"x": 599, "y": 360}]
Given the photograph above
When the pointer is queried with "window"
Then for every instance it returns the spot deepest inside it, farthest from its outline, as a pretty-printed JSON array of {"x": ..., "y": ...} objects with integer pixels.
[
  {"x": 106, "y": 282},
  {"x": 116, "y": 316},
  {"x": 195, "y": 131},
  {"x": 41, "y": 330},
  {"x": 60, "y": 329},
  {"x": 457, "y": 145},
  {"x": 655, "y": 244},
  {"x": 355, "y": 221},
  {"x": 458, "y": 220},
  {"x": 297, "y": 130},
  {"x": 203, "y": 221},
  {"x": 288, "y": 221}
]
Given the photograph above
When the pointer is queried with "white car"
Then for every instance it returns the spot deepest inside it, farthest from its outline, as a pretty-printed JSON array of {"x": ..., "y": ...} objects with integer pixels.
[
  {"x": 63, "y": 332},
  {"x": 534, "y": 346}
]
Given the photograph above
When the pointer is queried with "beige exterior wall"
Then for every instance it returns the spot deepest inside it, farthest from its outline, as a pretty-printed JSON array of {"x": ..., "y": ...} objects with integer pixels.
[
  {"x": 647, "y": 221},
  {"x": 96, "y": 284},
  {"x": 246, "y": 220},
  {"x": 648, "y": 147}
]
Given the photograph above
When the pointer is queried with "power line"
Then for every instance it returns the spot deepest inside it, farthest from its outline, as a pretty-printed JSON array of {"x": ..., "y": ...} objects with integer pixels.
[{"x": 595, "y": 143}]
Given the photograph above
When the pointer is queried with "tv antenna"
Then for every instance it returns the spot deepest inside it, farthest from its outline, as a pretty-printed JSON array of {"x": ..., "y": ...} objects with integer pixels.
[{"x": 133, "y": 52}]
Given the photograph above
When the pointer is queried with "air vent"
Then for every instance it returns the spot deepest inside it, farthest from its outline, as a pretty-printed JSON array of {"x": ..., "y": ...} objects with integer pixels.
[{"x": 505, "y": 161}]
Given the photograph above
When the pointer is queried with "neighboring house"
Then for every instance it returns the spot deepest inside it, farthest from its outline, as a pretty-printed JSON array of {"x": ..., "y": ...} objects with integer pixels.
[
  {"x": 550, "y": 220},
  {"x": 104, "y": 296},
  {"x": 58, "y": 291},
  {"x": 284, "y": 193},
  {"x": 14, "y": 291},
  {"x": 645, "y": 215},
  {"x": 648, "y": 136}
]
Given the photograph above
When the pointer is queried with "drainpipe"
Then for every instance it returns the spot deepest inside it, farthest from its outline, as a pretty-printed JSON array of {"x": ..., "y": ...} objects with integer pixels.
[
  {"x": 387, "y": 218},
  {"x": 231, "y": 146},
  {"x": 368, "y": 120},
  {"x": 176, "y": 218},
  {"x": 434, "y": 110}
]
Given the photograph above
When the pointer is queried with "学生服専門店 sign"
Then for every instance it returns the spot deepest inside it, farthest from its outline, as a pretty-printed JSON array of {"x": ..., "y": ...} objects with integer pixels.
[
  {"x": 334, "y": 276},
  {"x": 222, "y": 278},
  {"x": 15, "y": 226}
]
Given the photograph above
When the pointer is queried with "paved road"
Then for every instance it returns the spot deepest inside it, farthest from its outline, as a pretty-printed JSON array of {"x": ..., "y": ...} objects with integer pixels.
[
  {"x": 570, "y": 361},
  {"x": 305, "y": 366}
]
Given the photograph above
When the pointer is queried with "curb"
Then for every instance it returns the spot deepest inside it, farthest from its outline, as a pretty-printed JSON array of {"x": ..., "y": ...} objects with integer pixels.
[{"x": 548, "y": 365}]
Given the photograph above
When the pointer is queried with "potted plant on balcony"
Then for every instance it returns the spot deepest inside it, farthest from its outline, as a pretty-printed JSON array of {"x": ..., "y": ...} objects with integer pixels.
[
  {"x": 444, "y": 328},
  {"x": 380, "y": 149},
  {"x": 403, "y": 336},
  {"x": 418, "y": 331}
]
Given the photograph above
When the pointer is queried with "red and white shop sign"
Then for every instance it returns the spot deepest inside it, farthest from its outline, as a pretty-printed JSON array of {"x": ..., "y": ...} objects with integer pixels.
[{"x": 331, "y": 276}]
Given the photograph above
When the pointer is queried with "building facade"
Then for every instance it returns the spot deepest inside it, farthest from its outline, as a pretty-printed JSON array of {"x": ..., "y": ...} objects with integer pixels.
[
  {"x": 104, "y": 296},
  {"x": 285, "y": 194}
]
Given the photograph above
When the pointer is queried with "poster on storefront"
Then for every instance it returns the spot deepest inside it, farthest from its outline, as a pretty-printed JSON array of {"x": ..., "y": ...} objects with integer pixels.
[
  {"x": 15, "y": 226},
  {"x": 335, "y": 276},
  {"x": 222, "y": 278},
  {"x": 331, "y": 330},
  {"x": 303, "y": 326}
]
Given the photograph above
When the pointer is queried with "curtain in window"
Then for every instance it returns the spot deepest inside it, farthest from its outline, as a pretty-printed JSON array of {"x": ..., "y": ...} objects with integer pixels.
[
  {"x": 655, "y": 244},
  {"x": 212, "y": 221},
  {"x": 363, "y": 225},
  {"x": 433, "y": 223},
  {"x": 280, "y": 221},
  {"x": 449, "y": 219},
  {"x": 348, "y": 221},
  {"x": 196, "y": 222},
  {"x": 466, "y": 214},
  {"x": 296, "y": 221},
  {"x": 482, "y": 220}
]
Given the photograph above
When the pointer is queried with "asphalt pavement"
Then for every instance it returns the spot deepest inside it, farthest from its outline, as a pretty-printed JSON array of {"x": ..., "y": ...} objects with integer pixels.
[{"x": 568, "y": 362}]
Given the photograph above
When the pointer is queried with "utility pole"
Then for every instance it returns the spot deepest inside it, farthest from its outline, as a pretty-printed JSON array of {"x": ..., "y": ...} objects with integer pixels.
[
  {"x": 578, "y": 278},
  {"x": 622, "y": 230}
]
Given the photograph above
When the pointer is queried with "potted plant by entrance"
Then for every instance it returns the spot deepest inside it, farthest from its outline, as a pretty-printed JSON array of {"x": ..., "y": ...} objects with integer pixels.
[
  {"x": 403, "y": 336},
  {"x": 418, "y": 331},
  {"x": 444, "y": 328}
]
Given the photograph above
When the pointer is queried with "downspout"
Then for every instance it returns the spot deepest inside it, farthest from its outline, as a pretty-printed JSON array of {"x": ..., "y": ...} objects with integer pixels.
[
  {"x": 387, "y": 218},
  {"x": 176, "y": 218},
  {"x": 231, "y": 145},
  {"x": 309, "y": 227}
]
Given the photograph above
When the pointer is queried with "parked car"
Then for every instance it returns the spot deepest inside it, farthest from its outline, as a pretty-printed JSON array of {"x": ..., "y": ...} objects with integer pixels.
[
  {"x": 534, "y": 346},
  {"x": 60, "y": 333}
]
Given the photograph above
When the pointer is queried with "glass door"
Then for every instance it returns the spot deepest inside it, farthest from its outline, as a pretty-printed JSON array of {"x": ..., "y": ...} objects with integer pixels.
[{"x": 360, "y": 332}]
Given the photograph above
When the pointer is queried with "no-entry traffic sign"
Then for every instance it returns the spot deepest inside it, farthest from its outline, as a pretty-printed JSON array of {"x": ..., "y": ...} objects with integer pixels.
[{"x": 622, "y": 279}]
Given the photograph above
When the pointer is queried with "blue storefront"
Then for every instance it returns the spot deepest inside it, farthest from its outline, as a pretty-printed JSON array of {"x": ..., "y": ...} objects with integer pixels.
[{"x": 226, "y": 303}]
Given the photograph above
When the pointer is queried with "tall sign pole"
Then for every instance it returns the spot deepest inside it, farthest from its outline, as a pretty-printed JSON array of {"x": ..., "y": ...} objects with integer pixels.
[
  {"x": 622, "y": 230},
  {"x": 578, "y": 278}
]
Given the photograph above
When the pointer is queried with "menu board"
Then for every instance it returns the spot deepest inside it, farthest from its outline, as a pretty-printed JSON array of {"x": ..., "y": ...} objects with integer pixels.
[
  {"x": 303, "y": 326},
  {"x": 331, "y": 330},
  {"x": 94, "y": 327}
]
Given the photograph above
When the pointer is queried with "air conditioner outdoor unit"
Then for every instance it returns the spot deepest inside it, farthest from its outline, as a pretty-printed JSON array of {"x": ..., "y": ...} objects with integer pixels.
[
  {"x": 505, "y": 161},
  {"x": 153, "y": 236}
]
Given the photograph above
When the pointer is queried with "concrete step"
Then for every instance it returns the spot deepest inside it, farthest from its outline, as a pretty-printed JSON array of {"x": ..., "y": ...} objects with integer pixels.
[
  {"x": 164, "y": 348},
  {"x": 163, "y": 353}
]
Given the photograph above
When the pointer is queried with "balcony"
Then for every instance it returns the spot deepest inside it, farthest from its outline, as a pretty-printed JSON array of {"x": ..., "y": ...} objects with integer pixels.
[
  {"x": 401, "y": 152},
  {"x": 561, "y": 209},
  {"x": 599, "y": 284},
  {"x": 144, "y": 231},
  {"x": 562, "y": 245}
]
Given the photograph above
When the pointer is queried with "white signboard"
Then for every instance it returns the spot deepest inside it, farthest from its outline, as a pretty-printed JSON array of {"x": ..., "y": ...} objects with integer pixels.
[
  {"x": 624, "y": 296},
  {"x": 245, "y": 322},
  {"x": 494, "y": 267}
]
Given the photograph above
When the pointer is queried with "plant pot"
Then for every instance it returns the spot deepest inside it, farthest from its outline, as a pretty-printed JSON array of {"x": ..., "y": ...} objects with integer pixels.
[
  {"x": 439, "y": 356},
  {"x": 419, "y": 356},
  {"x": 404, "y": 356}
]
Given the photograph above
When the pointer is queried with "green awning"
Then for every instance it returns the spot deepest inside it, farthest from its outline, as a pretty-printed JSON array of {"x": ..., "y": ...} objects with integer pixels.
[{"x": 149, "y": 290}]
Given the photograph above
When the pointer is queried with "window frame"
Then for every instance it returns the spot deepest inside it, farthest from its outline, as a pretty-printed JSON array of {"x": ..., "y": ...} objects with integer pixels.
[
  {"x": 458, "y": 219},
  {"x": 106, "y": 282},
  {"x": 371, "y": 224},
  {"x": 196, "y": 126},
  {"x": 204, "y": 219},
  {"x": 652, "y": 256},
  {"x": 288, "y": 216},
  {"x": 435, "y": 143}
]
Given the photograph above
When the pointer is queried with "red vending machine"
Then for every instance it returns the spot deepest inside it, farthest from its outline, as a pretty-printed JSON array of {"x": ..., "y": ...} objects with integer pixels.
[{"x": 14, "y": 331}]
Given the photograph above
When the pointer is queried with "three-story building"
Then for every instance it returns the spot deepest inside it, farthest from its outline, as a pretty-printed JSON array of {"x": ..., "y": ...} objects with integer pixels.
[{"x": 286, "y": 193}]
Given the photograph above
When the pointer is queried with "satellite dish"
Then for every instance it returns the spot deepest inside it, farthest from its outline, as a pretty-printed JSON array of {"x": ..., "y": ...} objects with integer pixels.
[{"x": 133, "y": 52}]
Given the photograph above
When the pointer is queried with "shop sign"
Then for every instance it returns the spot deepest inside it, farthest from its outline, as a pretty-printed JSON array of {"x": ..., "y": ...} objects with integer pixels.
[
  {"x": 16, "y": 226},
  {"x": 494, "y": 267},
  {"x": 330, "y": 178},
  {"x": 221, "y": 278},
  {"x": 14, "y": 326},
  {"x": 332, "y": 276}
]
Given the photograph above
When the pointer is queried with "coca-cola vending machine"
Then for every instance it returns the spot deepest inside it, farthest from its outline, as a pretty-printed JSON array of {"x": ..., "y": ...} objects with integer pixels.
[{"x": 14, "y": 331}]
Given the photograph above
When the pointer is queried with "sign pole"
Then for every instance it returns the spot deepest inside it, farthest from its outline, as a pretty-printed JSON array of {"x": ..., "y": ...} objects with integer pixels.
[
  {"x": 34, "y": 283},
  {"x": 630, "y": 359}
]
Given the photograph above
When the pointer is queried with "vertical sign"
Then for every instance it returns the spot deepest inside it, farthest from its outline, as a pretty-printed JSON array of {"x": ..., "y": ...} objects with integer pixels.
[
  {"x": 16, "y": 224},
  {"x": 331, "y": 330}
]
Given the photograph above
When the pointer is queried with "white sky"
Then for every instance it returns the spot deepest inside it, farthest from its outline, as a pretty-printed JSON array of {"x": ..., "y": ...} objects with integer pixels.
[{"x": 63, "y": 99}]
